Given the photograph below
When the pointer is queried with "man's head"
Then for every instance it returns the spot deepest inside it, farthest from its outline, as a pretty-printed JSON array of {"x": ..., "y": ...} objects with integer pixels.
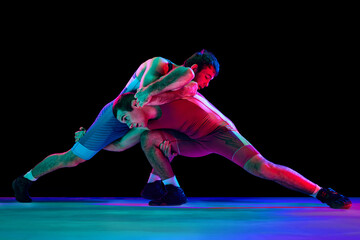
[
  {"x": 126, "y": 111},
  {"x": 205, "y": 66}
]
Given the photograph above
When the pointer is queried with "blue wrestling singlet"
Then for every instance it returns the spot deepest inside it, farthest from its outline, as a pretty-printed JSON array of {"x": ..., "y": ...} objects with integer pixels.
[{"x": 106, "y": 128}]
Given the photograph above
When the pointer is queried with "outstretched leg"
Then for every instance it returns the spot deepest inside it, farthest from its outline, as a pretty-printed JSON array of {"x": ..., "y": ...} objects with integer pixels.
[
  {"x": 56, "y": 161},
  {"x": 51, "y": 163},
  {"x": 232, "y": 146},
  {"x": 282, "y": 175},
  {"x": 288, "y": 178}
]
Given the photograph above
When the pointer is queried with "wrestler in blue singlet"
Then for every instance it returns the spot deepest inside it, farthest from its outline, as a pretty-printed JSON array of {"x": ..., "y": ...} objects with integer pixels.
[{"x": 106, "y": 128}]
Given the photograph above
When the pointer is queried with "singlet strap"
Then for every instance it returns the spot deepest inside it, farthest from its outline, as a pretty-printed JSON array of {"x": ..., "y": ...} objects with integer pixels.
[{"x": 134, "y": 75}]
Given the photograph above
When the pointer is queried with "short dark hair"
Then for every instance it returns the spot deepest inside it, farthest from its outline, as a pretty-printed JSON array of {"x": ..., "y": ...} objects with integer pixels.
[
  {"x": 123, "y": 103},
  {"x": 203, "y": 59}
]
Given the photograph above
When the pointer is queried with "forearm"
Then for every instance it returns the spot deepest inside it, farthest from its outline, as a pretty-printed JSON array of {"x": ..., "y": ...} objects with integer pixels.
[
  {"x": 129, "y": 140},
  {"x": 165, "y": 97},
  {"x": 176, "y": 79},
  {"x": 188, "y": 91}
]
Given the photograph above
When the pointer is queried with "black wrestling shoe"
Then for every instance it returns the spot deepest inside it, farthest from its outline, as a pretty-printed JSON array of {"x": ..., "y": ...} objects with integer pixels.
[
  {"x": 173, "y": 196},
  {"x": 333, "y": 199},
  {"x": 21, "y": 187},
  {"x": 153, "y": 191}
]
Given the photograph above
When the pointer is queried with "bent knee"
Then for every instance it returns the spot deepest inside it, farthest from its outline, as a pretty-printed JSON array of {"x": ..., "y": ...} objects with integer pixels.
[
  {"x": 144, "y": 139},
  {"x": 149, "y": 139}
]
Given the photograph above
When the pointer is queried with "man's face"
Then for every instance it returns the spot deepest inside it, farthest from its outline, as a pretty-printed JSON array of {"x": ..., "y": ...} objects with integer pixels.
[
  {"x": 204, "y": 77},
  {"x": 135, "y": 118}
]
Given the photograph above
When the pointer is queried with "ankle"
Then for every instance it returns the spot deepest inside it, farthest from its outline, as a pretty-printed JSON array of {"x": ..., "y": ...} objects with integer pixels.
[
  {"x": 153, "y": 178},
  {"x": 30, "y": 176},
  {"x": 172, "y": 181},
  {"x": 316, "y": 191}
]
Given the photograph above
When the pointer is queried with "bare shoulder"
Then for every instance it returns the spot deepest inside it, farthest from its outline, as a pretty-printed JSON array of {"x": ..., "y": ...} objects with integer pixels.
[
  {"x": 160, "y": 61},
  {"x": 157, "y": 63},
  {"x": 160, "y": 64}
]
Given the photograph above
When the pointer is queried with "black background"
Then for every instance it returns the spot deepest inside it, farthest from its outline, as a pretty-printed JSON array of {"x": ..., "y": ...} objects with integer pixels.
[{"x": 288, "y": 83}]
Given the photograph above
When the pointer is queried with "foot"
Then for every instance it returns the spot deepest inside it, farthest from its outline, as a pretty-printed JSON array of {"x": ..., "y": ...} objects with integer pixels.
[
  {"x": 153, "y": 191},
  {"x": 173, "y": 196},
  {"x": 333, "y": 199},
  {"x": 21, "y": 187}
]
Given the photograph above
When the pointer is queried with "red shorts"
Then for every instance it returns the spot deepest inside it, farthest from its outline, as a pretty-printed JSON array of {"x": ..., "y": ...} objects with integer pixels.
[{"x": 221, "y": 141}]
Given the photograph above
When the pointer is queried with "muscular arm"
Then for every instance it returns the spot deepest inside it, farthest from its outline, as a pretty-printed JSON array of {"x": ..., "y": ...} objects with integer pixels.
[
  {"x": 155, "y": 68},
  {"x": 152, "y": 84},
  {"x": 175, "y": 79},
  {"x": 129, "y": 140},
  {"x": 188, "y": 91}
]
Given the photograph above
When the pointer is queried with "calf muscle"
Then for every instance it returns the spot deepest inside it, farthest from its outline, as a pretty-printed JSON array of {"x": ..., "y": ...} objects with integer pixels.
[
  {"x": 56, "y": 161},
  {"x": 282, "y": 175}
]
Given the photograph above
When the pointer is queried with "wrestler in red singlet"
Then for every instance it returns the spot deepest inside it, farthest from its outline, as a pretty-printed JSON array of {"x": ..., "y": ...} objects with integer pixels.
[
  {"x": 203, "y": 129},
  {"x": 192, "y": 118},
  {"x": 195, "y": 128}
]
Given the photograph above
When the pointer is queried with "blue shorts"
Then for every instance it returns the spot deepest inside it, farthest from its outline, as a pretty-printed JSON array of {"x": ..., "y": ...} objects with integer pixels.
[{"x": 105, "y": 130}]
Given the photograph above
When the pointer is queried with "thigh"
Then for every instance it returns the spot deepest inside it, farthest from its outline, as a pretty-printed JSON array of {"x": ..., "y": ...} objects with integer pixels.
[
  {"x": 232, "y": 145},
  {"x": 105, "y": 130},
  {"x": 224, "y": 143}
]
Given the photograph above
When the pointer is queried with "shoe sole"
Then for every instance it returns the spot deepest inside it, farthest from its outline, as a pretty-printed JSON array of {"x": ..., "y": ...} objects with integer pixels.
[
  {"x": 153, "y": 203},
  {"x": 29, "y": 200},
  {"x": 346, "y": 206}
]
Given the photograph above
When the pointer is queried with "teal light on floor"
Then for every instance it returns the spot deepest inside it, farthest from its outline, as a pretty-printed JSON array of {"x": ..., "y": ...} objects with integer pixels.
[{"x": 200, "y": 218}]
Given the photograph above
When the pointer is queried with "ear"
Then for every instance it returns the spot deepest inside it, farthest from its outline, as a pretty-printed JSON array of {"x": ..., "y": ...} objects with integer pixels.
[
  {"x": 133, "y": 104},
  {"x": 194, "y": 67}
]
